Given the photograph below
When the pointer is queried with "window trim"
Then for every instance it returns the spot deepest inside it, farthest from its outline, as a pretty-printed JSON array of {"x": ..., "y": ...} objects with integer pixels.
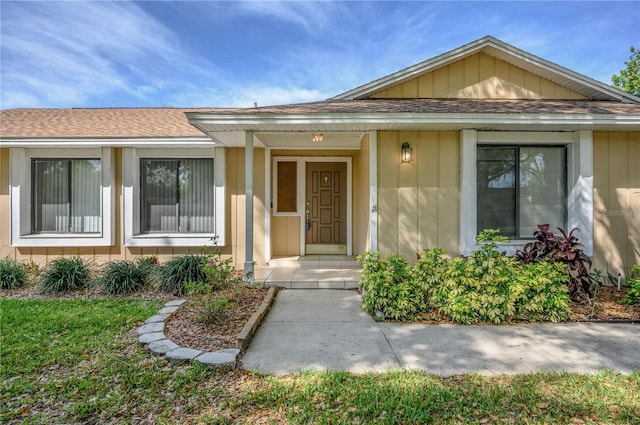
[
  {"x": 131, "y": 190},
  {"x": 517, "y": 147},
  {"x": 579, "y": 181},
  {"x": 21, "y": 197}
]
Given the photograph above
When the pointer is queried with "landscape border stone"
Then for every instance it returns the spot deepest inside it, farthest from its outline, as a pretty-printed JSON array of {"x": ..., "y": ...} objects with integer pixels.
[{"x": 151, "y": 333}]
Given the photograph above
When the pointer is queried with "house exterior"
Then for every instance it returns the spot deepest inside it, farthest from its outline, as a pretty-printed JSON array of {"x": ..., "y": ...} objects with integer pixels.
[{"x": 483, "y": 136}]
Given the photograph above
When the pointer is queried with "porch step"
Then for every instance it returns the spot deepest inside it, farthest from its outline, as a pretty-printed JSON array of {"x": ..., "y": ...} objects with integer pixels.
[
  {"x": 309, "y": 274},
  {"x": 317, "y": 261}
]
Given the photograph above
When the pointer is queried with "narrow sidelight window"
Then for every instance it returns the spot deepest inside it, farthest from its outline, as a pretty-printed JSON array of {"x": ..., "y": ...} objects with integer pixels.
[
  {"x": 177, "y": 195},
  {"x": 66, "y": 196},
  {"x": 519, "y": 187}
]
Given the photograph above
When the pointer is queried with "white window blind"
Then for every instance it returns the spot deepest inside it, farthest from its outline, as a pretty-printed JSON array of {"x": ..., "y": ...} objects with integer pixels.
[
  {"x": 66, "y": 196},
  {"x": 177, "y": 195}
]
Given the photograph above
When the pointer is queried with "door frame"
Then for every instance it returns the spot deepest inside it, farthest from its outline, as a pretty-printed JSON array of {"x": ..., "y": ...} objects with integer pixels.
[{"x": 301, "y": 194}]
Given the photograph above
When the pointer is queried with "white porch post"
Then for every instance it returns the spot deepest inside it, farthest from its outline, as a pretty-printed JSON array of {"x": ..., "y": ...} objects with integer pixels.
[
  {"x": 373, "y": 189},
  {"x": 248, "y": 193}
]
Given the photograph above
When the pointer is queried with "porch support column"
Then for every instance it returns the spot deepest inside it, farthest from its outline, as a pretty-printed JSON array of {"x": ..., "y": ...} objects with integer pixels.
[
  {"x": 373, "y": 190},
  {"x": 248, "y": 193}
]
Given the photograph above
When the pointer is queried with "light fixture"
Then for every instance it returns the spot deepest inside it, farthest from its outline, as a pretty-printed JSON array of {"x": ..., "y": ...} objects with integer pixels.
[
  {"x": 317, "y": 137},
  {"x": 406, "y": 152}
]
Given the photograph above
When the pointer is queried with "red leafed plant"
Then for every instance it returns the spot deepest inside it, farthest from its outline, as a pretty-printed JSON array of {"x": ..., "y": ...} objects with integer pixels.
[{"x": 563, "y": 248}]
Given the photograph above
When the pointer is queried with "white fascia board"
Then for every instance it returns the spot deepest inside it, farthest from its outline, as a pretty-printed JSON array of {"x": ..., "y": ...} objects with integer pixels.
[
  {"x": 488, "y": 45},
  {"x": 414, "y": 70},
  {"x": 517, "y": 56},
  {"x": 313, "y": 122},
  {"x": 39, "y": 142}
]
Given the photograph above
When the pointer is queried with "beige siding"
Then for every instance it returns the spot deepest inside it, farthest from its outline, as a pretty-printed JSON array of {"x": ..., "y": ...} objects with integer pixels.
[
  {"x": 361, "y": 187},
  {"x": 5, "y": 206},
  {"x": 236, "y": 207},
  {"x": 234, "y": 218},
  {"x": 418, "y": 202},
  {"x": 285, "y": 236},
  {"x": 616, "y": 171},
  {"x": 479, "y": 76}
]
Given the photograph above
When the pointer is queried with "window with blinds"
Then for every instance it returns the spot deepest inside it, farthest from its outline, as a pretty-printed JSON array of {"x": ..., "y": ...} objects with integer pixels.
[
  {"x": 519, "y": 187},
  {"x": 66, "y": 196},
  {"x": 177, "y": 195}
]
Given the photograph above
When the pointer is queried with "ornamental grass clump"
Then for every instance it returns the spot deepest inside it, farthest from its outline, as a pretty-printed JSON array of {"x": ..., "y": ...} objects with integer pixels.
[
  {"x": 65, "y": 274},
  {"x": 123, "y": 277},
  {"x": 173, "y": 275},
  {"x": 13, "y": 274}
]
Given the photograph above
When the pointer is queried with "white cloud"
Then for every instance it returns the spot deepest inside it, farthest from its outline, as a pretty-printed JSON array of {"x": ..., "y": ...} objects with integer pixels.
[
  {"x": 68, "y": 53},
  {"x": 246, "y": 96},
  {"x": 312, "y": 16}
]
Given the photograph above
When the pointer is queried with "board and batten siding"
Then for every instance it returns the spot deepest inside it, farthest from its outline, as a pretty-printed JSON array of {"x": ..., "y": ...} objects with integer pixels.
[
  {"x": 479, "y": 76},
  {"x": 616, "y": 192},
  {"x": 418, "y": 202},
  {"x": 361, "y": 190},
  {"x": 235, "y": 224}
]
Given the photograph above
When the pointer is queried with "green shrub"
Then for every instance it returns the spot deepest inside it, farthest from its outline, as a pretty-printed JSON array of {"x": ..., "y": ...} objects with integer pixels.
[
  {"x": 491, "y": 287},
  {"x": 388, "y": 287},
  {"x": 214, "y": 310},
  {"x": 175, "y": 273},
  {"x": 65, "y": 274},
  {"x": 122, "y": 277},
  {"x": 476, "y": 289},
  {"x": 219, "y": 272},
  {"x": 13, "y": 274},
  {"x": 633, "y": 286},
  {"x": 540, "y": 291},
  {"x": 565, "y": 249}
]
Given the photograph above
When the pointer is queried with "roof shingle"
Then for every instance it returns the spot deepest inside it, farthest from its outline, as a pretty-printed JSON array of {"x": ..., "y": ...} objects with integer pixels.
[
  {"x": 96, "y": 123},
  {"x": 172, "y": 122}
]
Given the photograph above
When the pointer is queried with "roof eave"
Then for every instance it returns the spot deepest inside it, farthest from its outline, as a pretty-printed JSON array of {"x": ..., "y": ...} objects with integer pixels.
[
  {"x": 389, "y": 121},
  {"x": 503, "y": 51},
  {"x": 115, "y": 142}
]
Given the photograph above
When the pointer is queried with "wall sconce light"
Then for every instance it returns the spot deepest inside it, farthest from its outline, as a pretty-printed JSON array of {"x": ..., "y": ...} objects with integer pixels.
[
  {"x": 317, "y": 137},
  {"x": 406, "y": 152}
]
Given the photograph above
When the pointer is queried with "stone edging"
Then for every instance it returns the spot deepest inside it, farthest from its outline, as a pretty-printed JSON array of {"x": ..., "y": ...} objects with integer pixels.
[
  {"x": 244, "y": 337},
  {"x": 151, "y": 333}
]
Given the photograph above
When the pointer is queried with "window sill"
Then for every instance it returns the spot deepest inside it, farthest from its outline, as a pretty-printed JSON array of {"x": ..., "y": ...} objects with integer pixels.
[
  {"x": 172, "y": 239},
  {"x": 61, "y": 240}
]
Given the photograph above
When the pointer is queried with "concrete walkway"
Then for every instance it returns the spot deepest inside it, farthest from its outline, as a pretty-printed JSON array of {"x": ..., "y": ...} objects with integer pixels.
[{"x": 327, "y": 330}]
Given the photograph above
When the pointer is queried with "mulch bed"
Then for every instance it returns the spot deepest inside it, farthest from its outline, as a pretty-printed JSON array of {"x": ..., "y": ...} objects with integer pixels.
[
  {"x": 186, "y": 329},
  {"x": 608, "y": 306}
]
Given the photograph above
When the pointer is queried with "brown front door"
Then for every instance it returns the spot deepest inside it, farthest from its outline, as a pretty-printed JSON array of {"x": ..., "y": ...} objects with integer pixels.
[{"x": 326, "y": 208}]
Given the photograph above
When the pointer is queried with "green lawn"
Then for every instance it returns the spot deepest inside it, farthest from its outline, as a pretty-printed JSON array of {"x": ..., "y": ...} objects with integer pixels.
[{"x": 77, "y": 361}]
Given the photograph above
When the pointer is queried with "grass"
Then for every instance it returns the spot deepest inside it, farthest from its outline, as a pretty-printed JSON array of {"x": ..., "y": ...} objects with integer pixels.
[{"x": 77, "y": 361}]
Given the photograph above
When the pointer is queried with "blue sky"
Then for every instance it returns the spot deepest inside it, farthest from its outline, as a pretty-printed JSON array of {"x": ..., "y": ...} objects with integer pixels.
[{"x": 215, "y": 53}]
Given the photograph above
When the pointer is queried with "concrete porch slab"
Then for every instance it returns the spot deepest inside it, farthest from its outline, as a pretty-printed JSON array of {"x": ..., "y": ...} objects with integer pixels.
[{"x": 310, "y": 272}]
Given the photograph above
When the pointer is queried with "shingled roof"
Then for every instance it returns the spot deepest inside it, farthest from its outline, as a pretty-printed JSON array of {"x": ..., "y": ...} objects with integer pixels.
[
  {"x": 172, "y": 122},
  {"x": 444, "y": 106},
  {"x": 96, "y": 123}
]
